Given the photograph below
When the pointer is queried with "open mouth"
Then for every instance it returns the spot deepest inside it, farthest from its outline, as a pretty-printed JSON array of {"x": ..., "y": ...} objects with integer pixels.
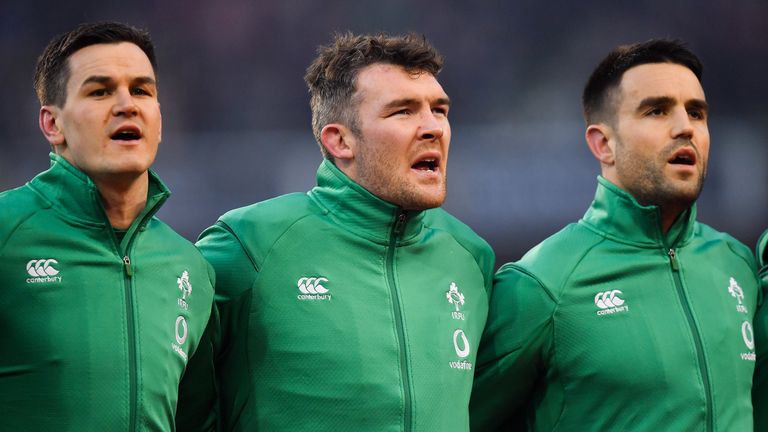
[
  {"x": 426, "y": 164},
  {"x": 126, "y": 134},
  {"x": 684, "y": 156}
]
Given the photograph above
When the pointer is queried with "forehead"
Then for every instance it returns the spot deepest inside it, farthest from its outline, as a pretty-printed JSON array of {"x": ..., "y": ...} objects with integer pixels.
[
  {"x": 660, "y": 79},
  {"x": 115, "y": 60},
  {"x": 381, "y": 83}
]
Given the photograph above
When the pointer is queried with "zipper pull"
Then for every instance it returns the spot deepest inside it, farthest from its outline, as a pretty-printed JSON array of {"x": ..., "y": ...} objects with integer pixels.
[
  {"x": 127, "y": 265},
  {"x": 400, "y": 223},
  {"x": 672, "y": 259}
]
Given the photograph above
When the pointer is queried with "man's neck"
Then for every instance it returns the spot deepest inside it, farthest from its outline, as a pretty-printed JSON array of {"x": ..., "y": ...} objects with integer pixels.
[
  {"x": 669, "y": 215},
  {"x": 123, "y": 201}
]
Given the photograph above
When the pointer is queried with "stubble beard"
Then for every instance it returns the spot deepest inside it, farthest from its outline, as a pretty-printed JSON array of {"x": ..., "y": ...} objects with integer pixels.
[
  {"x": 378, "y": 174},
  {"x": 645, "y": 180}
]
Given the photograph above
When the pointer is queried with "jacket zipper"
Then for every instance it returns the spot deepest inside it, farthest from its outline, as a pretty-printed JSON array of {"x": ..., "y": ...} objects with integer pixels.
[
  {"x": 128, "y": 276},
  {"x": 397, "y": 229},
  {"x": 696, "y": 336},
  {"x": 132, "y": 362}
]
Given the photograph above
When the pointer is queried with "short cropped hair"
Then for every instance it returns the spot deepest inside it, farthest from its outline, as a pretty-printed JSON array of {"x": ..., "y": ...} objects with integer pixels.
[
  {"x": 52, "y": 70},
  {"x": 599, "y": 99},
  {"x": 332, "y": 76}
]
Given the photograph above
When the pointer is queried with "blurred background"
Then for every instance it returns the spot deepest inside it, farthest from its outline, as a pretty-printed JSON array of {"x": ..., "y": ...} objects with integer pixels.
[{"x": 237, "y": 121}]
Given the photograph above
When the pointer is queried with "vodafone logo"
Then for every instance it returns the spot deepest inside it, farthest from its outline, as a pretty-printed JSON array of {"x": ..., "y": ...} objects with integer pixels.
[
  {"x": 181, "y": 330},
  {"x": 181, "y": 333},
  {"x": 460, "y": 343},
  {"x": 748, "y": 335},
  {"x": 609, "y": 302}
]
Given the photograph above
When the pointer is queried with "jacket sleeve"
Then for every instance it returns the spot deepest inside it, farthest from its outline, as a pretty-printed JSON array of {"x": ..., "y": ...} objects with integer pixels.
[
  {"x": 235, "y": 275},
  {"x": 760, "y": 384},
  {"x": 512, "y": 350},
  {"x": 197, "y": 405}
]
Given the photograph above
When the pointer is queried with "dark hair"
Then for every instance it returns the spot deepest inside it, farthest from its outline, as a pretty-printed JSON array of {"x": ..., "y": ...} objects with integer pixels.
[
  {"x": 606, "y": 78},
  {"x": 332, "y": 75},
  {"x": 52, "y": 70}
]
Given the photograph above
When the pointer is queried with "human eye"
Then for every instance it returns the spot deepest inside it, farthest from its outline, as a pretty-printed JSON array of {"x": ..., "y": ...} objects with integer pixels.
[
  {"x": 440, "y": 110},
  {"x": 98, "y": 92},
  {"x": 401, "y": 112},
  {"x": 656, "y": 112},
  {"x": 140, "y": 91},
  {"x": 697, "y": 114}
]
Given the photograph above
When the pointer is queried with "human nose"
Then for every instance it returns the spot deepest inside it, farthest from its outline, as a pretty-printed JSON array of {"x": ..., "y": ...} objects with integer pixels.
[
  {"x": 432, "y": 128},
  {"x": 124, "y": 104},
  {"x": 681, "y": 124}
]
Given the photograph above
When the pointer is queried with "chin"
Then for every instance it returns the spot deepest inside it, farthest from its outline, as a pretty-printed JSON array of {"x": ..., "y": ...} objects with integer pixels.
[{"x": 424, "y": 202}]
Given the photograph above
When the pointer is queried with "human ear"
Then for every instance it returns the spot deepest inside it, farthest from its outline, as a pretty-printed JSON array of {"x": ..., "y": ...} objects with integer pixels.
[
  {"x": 49, "y": 126},
  {"x": 601, "y": 145},
  {"x": 338, "y": 141}
]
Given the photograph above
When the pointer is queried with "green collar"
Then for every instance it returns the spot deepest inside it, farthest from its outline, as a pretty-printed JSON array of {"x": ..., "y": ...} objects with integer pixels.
[
  {"x": 358, "y": 210},
  {"x": 73, "y": 194},
  {"x": 616, "y": 214}
]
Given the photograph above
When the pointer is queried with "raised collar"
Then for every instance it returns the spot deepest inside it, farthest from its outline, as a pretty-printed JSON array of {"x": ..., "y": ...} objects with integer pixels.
[
  {"x": 73, "y": 194},
  {"x": 618, "y": 215},
  {"x": 361, "y": 212}
]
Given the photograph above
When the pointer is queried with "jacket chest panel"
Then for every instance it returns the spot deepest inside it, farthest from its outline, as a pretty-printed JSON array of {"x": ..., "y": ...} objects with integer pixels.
[
  {"x": 67, "y": 301},
  {"x": 624, "y": 322},
  {"x": 335, "y": 308}
]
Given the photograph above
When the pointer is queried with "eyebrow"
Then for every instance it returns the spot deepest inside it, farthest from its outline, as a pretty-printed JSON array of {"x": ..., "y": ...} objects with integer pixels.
[
  {"x": 101, "y": 79},
  {"x": 698, "y": 104},
  {"x": 666, "y": 101},
  {"x": 412, "y": 101}
]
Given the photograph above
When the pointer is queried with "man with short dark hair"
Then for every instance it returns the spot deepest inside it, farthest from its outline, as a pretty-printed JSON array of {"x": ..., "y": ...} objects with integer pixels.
[
  {"x": 637, "y": 317},
  {"x": 358, "y": 305},
  {"x": 102, "y": 304}
]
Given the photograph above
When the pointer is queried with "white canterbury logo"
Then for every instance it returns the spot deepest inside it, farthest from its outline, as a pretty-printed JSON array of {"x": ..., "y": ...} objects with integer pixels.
[
  {"x": 608, "y": 299},
  {"x": 312, "y": 285},
  {"x": 609, "y": 302},
  {"x": 42, "y": 267},
  {"x": 42, "y": 271},
  {"x": 312, "y": 289}
]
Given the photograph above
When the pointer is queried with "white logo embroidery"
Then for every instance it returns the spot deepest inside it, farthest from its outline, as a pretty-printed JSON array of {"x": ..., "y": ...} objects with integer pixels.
[
  {"x": 461, "y": 345},
  {"x": 184, "y": 285},
  {"x": 181, "y": 337},
  {"x": 454, "y": 296},
  {"x": 748, "y": 335},
  {"x": 312, "y": 285},
  {"x": 461, "y": 352},
  {"x": 42, "y": 267},
  {"x": 42, "y": 270},
  {"x": 749, "y": 340},
  {"x": 181, "y": 332},
  {"x": 609, "y": 302},
  {"x": 735, "y": 290},
  {"x": 312, "y": 289}
]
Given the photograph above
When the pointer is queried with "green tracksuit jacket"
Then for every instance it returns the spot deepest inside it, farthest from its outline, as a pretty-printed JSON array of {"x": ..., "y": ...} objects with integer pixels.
[
  {"x": 610, "y": 325},
  {"x": 341, "y": 312},
  {"x": 760, "y": 390},
  {"x": 94, "y": 335}
]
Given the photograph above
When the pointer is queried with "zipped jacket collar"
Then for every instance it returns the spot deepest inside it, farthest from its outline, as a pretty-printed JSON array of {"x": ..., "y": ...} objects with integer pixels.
[
  {"x": 74, "y": 195},
  {"x": 358, "y": 210},
  {"x": 616, "y": 214}
]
